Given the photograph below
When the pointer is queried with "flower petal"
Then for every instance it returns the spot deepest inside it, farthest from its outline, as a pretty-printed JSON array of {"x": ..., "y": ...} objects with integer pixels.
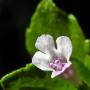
[
  {"x": 56, "y": 73},
  {"x": 64, "y": 46},
  {"x": 41, "y": 61},
  {"x": 45, "y": 44}
]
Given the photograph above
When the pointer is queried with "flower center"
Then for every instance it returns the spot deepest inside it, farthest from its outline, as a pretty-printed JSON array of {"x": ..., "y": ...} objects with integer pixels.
[{"x": 57, "y": 65}]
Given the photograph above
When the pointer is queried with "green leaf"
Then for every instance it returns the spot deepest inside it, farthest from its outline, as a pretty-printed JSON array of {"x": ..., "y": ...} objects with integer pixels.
[
  {"x": 87, "y": 50},
  {"x": 87, "y": 61},
  {"x": 87, "y": 46},
  {"x": 82, "y": 70},
  {"x": 49, "y": 19},
  {"x": 31, "y": 78},
  {"x": 77, "y": 38}
]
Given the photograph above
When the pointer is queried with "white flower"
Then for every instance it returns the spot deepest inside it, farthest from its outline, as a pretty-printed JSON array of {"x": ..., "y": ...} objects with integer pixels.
[{"x": 51, "y": 58}]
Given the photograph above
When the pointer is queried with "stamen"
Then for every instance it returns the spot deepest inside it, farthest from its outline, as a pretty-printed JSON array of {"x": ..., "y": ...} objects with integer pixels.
[
  {"x": 57, "y": 65},
  {"x": 57, "y": 61},
  {"x": 53, "y": 65}
]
